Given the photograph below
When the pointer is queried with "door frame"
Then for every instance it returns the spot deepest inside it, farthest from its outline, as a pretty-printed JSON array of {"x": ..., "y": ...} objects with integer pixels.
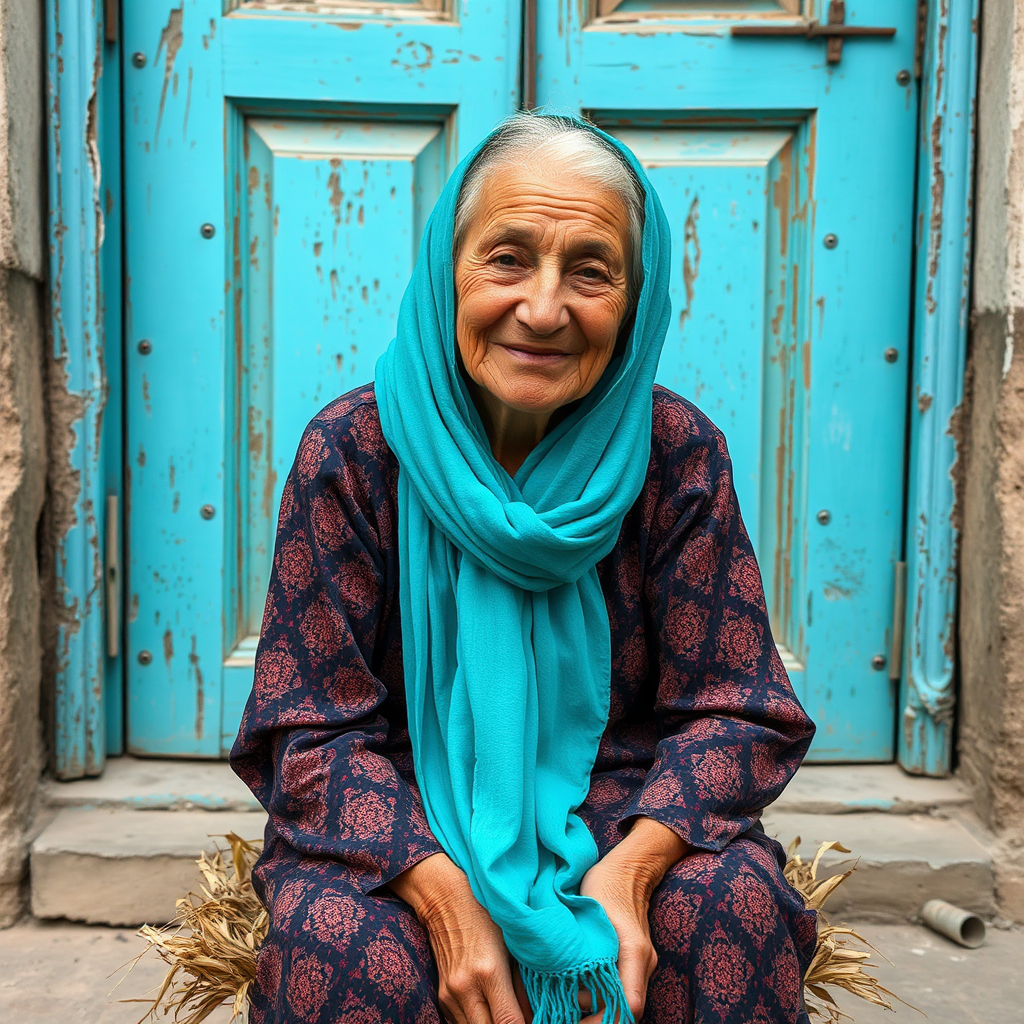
[{"x": 85, "y": 319}]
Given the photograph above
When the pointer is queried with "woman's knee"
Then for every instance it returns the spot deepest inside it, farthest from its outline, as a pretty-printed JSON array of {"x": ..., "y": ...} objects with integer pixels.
[
  {"x": 341, "y": 956},
  {"x": 733, "y": 939},
  {"x": 741, "y": 887}
]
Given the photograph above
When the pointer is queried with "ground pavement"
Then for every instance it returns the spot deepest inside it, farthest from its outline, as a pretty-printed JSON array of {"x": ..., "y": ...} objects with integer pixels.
[{"x": 58, "y": 973}]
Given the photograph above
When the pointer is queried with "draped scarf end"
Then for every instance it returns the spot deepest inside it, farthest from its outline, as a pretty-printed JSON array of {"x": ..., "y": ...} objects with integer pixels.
[{"x": 554, "y": 995}]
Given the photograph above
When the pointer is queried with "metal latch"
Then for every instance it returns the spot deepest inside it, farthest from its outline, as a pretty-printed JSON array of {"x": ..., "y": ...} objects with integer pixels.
[
  {"x": 112, "y": 577},
  {"x": 899, "y": 615},
  {"x": 834, "y": 31},
  {"x": 111, "y": 19}
]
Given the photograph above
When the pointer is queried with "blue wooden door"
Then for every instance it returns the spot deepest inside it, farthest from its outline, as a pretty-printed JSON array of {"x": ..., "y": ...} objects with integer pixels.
[
  {"x": 787, "y": 167},
  {"x": 280, "y": 161},
  {"x": 279, "y": 164}
]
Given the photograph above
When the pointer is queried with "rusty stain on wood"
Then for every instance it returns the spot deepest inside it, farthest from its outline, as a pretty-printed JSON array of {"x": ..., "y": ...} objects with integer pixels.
[
  {"x": 336, "y": 194},
  {"x": 270, "y": 475},
  {"x": 193, "y": 660}
]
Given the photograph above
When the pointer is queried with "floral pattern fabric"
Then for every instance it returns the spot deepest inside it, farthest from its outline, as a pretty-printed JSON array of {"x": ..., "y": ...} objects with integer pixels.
[{"x": 703, "y": 732}]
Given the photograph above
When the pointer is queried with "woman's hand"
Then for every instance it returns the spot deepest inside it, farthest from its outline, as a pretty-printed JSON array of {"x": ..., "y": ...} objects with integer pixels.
[
  {"x": 475, "y": 976},
  {"x": 623, "y": 882}
]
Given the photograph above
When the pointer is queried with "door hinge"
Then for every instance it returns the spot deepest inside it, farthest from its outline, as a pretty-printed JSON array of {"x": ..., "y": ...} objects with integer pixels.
[
  {"x": 899, "y": 614},
  {"x": 112, "y": 577}
]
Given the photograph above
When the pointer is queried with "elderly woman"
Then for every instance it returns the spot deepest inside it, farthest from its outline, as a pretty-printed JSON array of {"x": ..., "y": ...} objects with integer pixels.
[{"x": 517, "y": 707}]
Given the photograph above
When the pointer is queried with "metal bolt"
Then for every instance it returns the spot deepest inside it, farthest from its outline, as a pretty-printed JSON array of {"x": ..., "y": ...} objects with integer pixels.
[
  {"x": 145, "y": 658},
  {"x": 903, "y": 77},
  {"x": 207, "y": 231},
  {"x": 139, "y": 59},
  {"x": 891, "y": 355},
  {"x": 824, "y": 517},
  {"x": 878, "y": 662},
  {"x": 145, "y": 347},
  {"x": 207, "y": 511},
  {"x": 830, "y": 241}
]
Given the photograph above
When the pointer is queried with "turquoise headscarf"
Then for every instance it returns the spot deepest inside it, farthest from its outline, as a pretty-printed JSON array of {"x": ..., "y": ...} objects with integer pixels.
[{"x": 505, "y": 631}]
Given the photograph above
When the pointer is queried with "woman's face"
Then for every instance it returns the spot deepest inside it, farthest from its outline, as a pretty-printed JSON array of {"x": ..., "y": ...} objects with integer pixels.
[{"x": 541, "y": 285}]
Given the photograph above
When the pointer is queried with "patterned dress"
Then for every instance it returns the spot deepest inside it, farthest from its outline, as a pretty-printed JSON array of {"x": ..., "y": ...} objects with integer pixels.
[{"x": 704, "y": 731}]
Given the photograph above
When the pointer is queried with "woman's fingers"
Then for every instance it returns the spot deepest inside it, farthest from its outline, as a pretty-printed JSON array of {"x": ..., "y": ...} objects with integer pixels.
[
  {"x": 501, "y": 998},
  {"x": 636, "y": 965},
  {"x": 484, "y": 995},
  {"x": 469, "y": 1008}
]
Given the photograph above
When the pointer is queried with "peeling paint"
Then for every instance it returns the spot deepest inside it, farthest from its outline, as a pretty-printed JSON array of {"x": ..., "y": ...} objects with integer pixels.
[
  {"x": 691, "y": 258},
  {"x": 170, "y": 43},
  {"x": 76, "y": 391},
  {"x": 942, "y": 290}
]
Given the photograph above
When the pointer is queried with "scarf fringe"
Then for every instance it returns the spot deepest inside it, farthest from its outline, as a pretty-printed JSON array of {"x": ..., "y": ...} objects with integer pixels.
[{"x": 554, "y": 995}]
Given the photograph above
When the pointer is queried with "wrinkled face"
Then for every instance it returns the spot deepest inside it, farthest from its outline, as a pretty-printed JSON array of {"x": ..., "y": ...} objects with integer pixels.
[{"x": 541, "y": 285}]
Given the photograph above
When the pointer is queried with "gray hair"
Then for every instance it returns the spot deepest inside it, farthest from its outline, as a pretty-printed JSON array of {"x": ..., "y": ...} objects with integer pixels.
[{"x": 528, "y": 136}]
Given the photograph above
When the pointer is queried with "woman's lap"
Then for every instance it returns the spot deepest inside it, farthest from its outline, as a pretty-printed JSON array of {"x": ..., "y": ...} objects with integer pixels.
[
  {"x": 732, "y": 938},
  {"x": 335, "y": 954}
]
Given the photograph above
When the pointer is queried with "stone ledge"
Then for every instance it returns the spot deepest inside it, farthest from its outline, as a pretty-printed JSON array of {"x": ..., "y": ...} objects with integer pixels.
[
  {"x": 125, "y": 867},
  {"x": 132, "y": 783},
  {"x": 135, "y": 783},
  {"x": 869, "y": 788},
  {"x": 901, "y": 861}
]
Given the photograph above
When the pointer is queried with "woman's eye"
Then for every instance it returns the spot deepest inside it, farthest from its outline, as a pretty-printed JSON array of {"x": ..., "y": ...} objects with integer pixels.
[
  {"x": 590, "y": 273},
  {"x": 506, "y": 259}
]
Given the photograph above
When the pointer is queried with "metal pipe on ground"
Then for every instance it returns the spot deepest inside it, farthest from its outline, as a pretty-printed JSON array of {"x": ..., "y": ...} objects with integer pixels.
[{"x": 960, "y": 925}]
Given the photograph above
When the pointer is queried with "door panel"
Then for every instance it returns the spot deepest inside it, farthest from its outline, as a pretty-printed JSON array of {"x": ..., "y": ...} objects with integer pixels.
[
  {"x": 761, "y": 149},
  {"x": 738, "y": 202},
  {"x": 311, "y": 144}
]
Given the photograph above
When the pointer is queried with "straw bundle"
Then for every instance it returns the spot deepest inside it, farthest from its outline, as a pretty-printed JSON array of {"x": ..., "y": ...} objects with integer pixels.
[
  {"x": 211, "y": 944},
  {"x": 836, "y": 963}
]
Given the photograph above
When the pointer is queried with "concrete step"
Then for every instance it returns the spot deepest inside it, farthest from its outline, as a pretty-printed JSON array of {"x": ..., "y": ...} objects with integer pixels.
[
  {"x": 141, "y": 784},
  {"x": 148, "y": 784},
  {"x": 120, "y": 849},
  {"x": 869, "y": 788},
  {"x": 901, "y": 861},
  {"x": 122, "y": 867}
]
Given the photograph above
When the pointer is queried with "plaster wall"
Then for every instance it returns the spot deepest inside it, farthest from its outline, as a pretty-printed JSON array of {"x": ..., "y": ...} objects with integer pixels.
[
  {"x": 22, "y": 433},
  {"x": 992, "y": 553}
]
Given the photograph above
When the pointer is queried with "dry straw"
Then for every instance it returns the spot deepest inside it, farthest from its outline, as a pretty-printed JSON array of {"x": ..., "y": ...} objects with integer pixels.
[
  {"x": 210, "y": 946},
  {"x": 837, "y": 961}
]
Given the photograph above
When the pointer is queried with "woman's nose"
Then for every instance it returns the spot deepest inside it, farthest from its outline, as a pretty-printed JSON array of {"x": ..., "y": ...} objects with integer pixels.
[{"x": 543, "y": 310}]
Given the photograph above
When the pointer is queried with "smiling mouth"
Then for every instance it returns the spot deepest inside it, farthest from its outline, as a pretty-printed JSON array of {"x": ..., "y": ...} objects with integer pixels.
[{"x": 534, "y": 358}]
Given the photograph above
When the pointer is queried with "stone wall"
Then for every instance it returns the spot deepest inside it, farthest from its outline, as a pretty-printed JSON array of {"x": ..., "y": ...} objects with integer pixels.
[
  {"x": 22, "y": 432},
  {"x": 992, "y": 552}
]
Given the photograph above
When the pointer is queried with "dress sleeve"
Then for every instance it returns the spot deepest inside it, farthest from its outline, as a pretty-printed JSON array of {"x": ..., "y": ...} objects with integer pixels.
[
  {"x": 733, "y": 732},
  {"x": 314, "y": 735}
]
